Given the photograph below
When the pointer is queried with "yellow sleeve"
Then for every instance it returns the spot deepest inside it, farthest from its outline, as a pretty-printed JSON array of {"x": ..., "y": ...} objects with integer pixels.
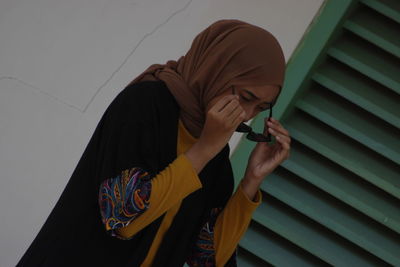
[
  {"x": 232, "y": 223},
  {"x": 170, "y": 186}
]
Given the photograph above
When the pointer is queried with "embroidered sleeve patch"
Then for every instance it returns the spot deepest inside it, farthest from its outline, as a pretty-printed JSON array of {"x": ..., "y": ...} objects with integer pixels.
[
  {"x": 124, "y": 198},
  {"x": 203, "y": 253}
]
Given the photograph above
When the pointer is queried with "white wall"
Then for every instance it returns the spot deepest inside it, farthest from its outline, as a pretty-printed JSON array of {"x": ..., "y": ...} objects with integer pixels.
[{"x": 62, "y": 63}]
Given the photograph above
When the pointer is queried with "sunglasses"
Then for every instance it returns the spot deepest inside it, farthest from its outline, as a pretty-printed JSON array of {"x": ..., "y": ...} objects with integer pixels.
[{"x": 251, "y": 135}]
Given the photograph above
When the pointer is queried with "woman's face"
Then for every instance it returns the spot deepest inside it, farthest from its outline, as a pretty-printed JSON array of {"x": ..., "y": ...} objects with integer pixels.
[{"x": 253, "y": 99}]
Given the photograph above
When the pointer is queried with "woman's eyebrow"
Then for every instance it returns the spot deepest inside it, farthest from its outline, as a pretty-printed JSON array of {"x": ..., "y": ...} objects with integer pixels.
[{"x": 254, "y": 96}]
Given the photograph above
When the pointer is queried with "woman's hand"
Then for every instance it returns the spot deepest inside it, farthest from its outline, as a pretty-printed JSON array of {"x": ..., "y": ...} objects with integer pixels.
[
  {"x": 222, "y": 120},
  {"x": 266, "y": 157}
]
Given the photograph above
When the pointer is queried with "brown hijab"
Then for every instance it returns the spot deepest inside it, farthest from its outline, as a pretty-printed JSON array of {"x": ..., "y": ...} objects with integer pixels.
[{"x": 228, "y": 52}]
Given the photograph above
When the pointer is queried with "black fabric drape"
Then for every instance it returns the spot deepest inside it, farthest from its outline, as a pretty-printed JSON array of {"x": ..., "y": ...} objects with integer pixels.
[{"x": 138, "y": 129}]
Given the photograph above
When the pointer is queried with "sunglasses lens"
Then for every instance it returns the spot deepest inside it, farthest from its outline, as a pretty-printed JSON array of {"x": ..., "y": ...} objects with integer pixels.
[
  {"x": 243, "y": 128},
  {"x": 258, "y": 137}
]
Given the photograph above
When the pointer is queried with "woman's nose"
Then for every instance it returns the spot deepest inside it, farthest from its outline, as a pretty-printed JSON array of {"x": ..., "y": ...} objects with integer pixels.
[
  {"x": 250, "y": 109},
  {"x": 250, "y": 112}
]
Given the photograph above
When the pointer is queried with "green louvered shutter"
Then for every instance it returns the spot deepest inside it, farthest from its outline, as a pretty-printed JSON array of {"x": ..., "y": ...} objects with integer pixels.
[{"x": 336, "y": 200}]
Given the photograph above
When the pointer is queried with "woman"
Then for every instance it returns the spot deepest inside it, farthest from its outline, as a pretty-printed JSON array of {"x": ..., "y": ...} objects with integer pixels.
[{"x": 154, "y": 185}]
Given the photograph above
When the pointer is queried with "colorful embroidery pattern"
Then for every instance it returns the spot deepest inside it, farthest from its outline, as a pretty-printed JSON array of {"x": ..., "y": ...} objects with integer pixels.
[
  {"x": 203, "y": 253},
  {"x": 123, "y": 198}
]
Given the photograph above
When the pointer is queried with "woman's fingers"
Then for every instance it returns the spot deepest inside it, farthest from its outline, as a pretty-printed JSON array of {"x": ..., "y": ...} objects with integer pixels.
[
  {"x": 279, "y": 136},
  {"x": 283, "y": 139},
  {"x": 266, "y": 127},
  {"x": 238, "y": 118},
  {"x": 228, "y": 112},
  {"x": 229, "y": 108},
  {"x": 280, "y": 127},
  {"x": 286, "y": 147},
  {"x": 277, "y": 127},
  {"x": 237, "y": 112},
  {"x": 223, "y": 102},
  {"x": 233, "y": 113},
  {"x": 280, "y": 133}
]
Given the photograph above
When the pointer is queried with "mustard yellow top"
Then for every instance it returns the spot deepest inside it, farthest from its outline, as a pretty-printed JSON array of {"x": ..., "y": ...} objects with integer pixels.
[{"x": 176, "y": 182}]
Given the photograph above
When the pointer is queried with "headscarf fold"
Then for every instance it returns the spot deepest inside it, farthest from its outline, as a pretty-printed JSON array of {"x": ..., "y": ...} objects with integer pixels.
[{"x": 228, "y": 52}]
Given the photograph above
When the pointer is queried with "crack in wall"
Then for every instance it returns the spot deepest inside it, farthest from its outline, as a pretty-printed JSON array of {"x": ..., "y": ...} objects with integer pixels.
[
  {"x": 41, "y": 91},
  {"x": 134, "y": 49},
  {"x": 112, "y": 74}
]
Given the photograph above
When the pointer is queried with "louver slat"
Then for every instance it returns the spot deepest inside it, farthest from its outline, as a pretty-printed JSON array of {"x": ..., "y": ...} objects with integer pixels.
[
  {"x": 377, "y": 29},
  {"x": 334, "y": 214},
  {"x": 248, "y": 259},
  {"x": 352, "y": 121},
  {"x": 368, "y": 59},
  {"x": 359, "y": 89},
  {"x": 344, "y": 185},
  {"x": 311, "y": 236},
  {"x": 389, "y": 8},
  {"x": 274, "y": 249},
  {"x": 346, "y": 152}
]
